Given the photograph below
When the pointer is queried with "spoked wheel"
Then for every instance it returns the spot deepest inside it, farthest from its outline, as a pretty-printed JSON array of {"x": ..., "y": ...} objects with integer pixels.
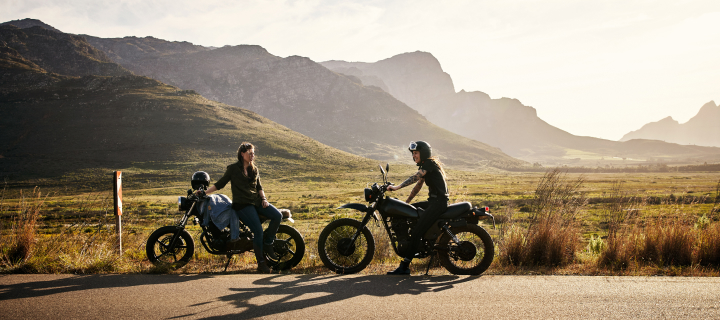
[
  {"x": 472, "y": 256},
  {"x": 289, "y": 246},
  {"x": 159, "y": 250},
  {"x": 337, "y": 250}
]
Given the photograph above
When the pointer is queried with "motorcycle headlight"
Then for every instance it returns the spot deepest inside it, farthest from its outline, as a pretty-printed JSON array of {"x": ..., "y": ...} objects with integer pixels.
[
  {"x": 183, "y": 204},
  {"x": 369, "y": 195}
]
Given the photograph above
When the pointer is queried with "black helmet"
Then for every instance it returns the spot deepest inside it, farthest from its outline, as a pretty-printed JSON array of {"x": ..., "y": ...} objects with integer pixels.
[
  {"x": 200, "y": 178},
  {"x": 422, "y": 147}
]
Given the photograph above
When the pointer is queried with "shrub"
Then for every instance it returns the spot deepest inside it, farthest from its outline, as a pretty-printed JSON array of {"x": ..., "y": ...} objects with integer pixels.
[
  {"x": 24, "y": 228},
  {"x": 551, "y": 238},
  {"x": 709, "y": 246}
]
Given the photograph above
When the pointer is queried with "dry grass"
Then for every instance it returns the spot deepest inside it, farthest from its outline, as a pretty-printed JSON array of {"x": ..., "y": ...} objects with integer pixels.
[
  {"x": 670, "y": 238},
  {"x": 675, "y": 236},
  {"x": 552, "y": 235},
  {"x": 21, "y": 246}
]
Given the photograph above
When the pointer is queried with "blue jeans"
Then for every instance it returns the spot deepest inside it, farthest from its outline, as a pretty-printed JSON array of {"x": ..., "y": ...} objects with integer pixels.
[{"x": 250, "y": 217}]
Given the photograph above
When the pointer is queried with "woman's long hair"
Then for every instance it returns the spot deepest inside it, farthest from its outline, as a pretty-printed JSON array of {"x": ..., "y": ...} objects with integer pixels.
[
  {"x": 244, "y": 147},
  {"x": 439, "y": 164}
]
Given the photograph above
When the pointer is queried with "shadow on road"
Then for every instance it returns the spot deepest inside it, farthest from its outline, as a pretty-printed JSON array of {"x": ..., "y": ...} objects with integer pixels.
[
  {"x": 71, "y": 283},
  {"x": 312, "y": 290}
]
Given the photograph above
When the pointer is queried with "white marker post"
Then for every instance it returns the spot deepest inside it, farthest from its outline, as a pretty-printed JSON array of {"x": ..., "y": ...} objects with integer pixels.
[{"x": 117, "y": 191}]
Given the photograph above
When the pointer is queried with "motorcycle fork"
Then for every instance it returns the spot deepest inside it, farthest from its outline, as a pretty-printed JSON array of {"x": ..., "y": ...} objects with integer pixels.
[
  {"x": 180, "y": 227},
  {"x": 363, "y": 224}
]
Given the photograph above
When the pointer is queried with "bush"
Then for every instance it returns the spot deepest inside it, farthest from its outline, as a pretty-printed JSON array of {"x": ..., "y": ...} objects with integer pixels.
[
  {"x": 551, "y": 238},
  {"x": 709, "y": 247}
]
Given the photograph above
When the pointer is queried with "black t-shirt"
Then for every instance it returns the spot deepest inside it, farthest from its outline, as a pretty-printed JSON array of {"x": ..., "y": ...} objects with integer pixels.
[{"x": 435, "y": 180}]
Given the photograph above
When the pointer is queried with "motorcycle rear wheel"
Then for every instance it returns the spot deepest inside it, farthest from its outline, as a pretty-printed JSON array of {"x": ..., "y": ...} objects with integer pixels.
[
  {"x": 336, "y": 251},
  {"x": 472, "y": 256},
  {"x": 289, "y": 246},
  {"x": 158, "y": 248}
]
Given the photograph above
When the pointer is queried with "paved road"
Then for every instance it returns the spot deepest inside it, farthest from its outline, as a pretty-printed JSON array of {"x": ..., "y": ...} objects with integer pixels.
[{"x": 356, "y": 297}]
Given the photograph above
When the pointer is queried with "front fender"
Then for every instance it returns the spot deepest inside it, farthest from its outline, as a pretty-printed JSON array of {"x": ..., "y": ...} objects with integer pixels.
[{"x": 357, "y": 206}]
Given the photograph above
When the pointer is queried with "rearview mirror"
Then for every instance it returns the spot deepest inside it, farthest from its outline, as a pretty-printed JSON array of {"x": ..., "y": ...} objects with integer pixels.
[{"x": 387, "y": 167}]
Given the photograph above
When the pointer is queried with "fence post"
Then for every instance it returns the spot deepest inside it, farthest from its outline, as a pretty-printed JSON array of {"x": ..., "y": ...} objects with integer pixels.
[{"x": 117, "y": 192}]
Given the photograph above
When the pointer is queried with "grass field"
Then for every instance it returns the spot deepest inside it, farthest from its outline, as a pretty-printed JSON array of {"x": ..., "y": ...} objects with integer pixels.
[{"x": 74, "y": 228}]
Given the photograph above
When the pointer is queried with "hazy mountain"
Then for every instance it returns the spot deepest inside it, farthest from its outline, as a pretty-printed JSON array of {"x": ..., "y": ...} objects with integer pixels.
[
  {"x": 335, "y": 109},
  {"x": 418, "y": 80},
  {"x": 703, "y": 129},
  {"x": 59, "y": 123}
]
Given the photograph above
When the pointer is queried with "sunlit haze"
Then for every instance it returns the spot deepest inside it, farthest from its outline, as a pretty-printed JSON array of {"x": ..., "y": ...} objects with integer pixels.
[{"x": 592, "y": 68}]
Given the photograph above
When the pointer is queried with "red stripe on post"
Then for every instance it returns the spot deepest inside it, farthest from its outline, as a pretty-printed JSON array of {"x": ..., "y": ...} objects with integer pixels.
[{"x": 117, "y": 191}]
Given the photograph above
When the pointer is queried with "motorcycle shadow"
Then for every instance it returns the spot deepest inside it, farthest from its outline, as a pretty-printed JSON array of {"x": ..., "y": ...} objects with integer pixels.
[{"x": 303, "y": 291}]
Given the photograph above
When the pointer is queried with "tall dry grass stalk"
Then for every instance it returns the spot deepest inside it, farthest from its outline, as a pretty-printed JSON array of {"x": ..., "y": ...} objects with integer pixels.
[
  {"x": 552, "y": 234},
  {"x": 24, "y": 227}
]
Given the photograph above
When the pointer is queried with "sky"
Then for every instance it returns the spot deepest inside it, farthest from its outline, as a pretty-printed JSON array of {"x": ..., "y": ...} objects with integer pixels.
[{"x": 592, "y": 68}]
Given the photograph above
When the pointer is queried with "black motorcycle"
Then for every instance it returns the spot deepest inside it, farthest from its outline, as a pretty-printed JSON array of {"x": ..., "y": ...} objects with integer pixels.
[
  {"x": 173, "y": 245},
  {"x": 461, "y": 245}
]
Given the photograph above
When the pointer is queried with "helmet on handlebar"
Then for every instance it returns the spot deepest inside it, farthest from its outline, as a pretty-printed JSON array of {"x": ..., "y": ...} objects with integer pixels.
[
  {"x": 200, "y": 178},
  {"x": 422, "y": 147}
]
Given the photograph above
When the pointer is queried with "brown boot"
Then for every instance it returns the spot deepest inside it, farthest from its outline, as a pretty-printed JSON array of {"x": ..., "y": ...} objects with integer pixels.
[{"x": 263, "y": 267}]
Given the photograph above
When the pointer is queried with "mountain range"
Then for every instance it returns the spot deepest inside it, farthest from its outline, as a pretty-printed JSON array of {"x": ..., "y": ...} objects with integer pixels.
[
  {"x": 703, "y": 129},
  {"x": 71, "y": 102},
  {"x": 335, "y": 109},
  {"x": 61, "y": 118},
  {"x": 418, "y": 80}
]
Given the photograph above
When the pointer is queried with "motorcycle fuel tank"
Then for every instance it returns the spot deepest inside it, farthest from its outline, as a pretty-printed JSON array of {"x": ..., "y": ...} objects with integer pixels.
[{"x": 396, "y": 208}]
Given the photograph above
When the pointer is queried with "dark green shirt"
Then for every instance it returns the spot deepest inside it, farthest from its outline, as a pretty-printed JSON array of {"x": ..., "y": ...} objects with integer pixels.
[{"x": 245, "y": 190}]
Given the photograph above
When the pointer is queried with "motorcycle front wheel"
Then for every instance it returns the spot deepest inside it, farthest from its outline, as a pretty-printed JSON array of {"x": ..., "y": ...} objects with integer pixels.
[
  {"x": 158, "y": 248},
  {"x": 472, "y": 255},
  {"x": 289, "y": 246},
  {"x": 337, "y": 251}
]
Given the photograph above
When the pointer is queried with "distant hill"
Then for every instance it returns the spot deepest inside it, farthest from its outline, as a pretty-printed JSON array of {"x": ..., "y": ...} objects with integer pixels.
[
  {"x": 29, "y": 23},
  {"x": 335, "y": 109},
  {"x": 58, "y": 124},
  {"x": 418, "y": 80},
  {"x": 703, "y": 129}
]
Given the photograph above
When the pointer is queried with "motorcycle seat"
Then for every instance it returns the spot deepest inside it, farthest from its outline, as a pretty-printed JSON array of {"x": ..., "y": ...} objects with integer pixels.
[{"x": 456, "y": 210}]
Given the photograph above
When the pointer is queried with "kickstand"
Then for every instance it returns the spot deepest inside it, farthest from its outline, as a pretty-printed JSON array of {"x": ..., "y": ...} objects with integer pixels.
[
  {"x": 228, "y": 262},
  {"x": 432, "y": 257}
]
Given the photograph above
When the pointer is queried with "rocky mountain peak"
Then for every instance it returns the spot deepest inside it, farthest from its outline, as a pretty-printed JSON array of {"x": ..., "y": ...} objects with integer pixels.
[{"x": 29, "y": 23}]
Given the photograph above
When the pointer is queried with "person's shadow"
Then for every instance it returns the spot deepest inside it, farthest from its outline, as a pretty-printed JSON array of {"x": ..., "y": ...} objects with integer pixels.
[{"x": 318, "y": 290}]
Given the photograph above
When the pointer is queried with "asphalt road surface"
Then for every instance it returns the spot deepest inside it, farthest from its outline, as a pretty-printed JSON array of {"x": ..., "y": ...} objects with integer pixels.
[{"x": 243, "y": 296}]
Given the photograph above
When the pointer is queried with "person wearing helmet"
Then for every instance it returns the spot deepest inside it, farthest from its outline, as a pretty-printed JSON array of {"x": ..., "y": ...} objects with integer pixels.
[
  {"x": 217, "y": 209},
  {"x": 249, "y": 201},
  {"x": 432, "y": 174}
]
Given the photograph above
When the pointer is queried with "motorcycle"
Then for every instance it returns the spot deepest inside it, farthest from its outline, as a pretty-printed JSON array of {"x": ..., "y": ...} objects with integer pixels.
[
  {"x": 175, "y": 246},
  {"x": 461, "y": 245}
]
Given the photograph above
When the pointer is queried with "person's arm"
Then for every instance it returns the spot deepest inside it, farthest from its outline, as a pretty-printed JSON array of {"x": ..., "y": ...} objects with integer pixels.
[
  {"x": 415, "y": 190},
  {"x": 412, "y": 179},
  {"x": 211, "y": 189},
  {"x": 265, "y": 203}
]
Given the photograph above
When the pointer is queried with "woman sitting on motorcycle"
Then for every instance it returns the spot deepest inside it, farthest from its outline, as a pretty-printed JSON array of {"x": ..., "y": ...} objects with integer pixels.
[
  {"x": 432, "y": 174},
  {"x": 249, "y": 201}
]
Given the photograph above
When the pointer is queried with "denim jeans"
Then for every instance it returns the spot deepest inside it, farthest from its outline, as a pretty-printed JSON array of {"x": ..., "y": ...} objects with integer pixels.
[{"x": 250, "y": 217}]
